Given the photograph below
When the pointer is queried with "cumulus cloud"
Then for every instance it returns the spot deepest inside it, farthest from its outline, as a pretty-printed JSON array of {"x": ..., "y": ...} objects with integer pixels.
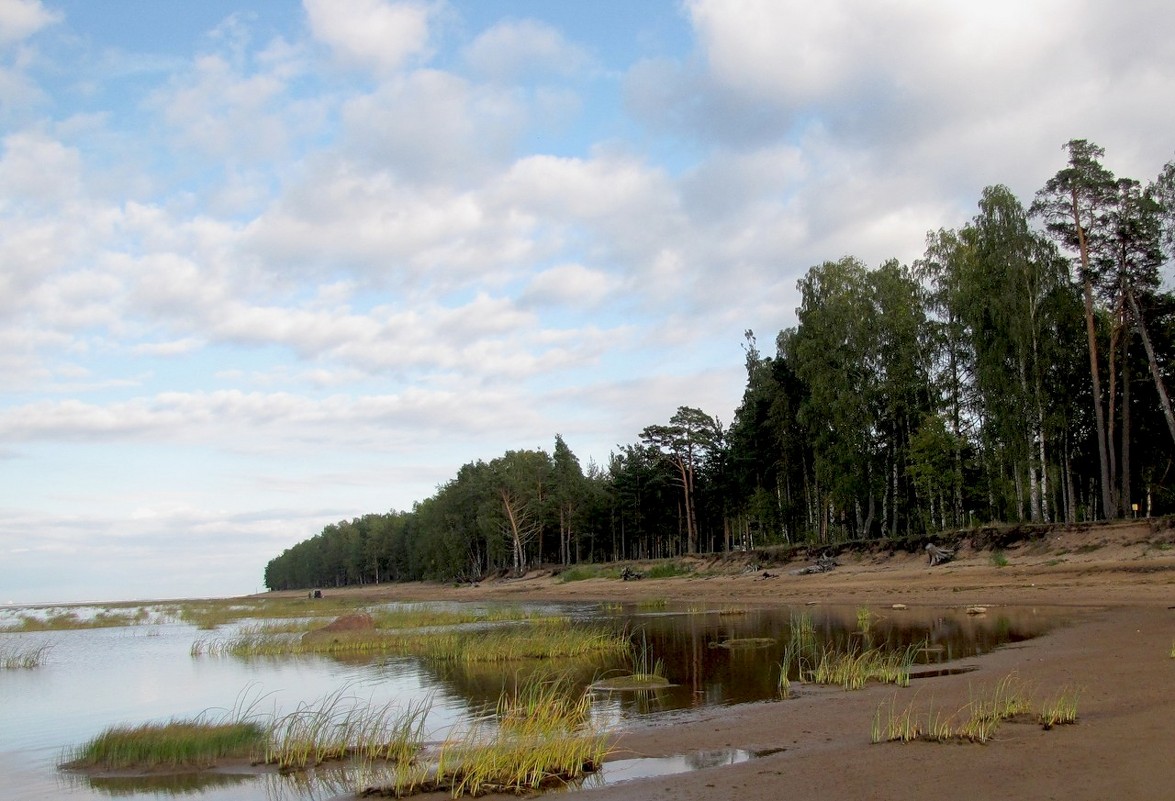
[
  {"x": 432, "y": 126},
  {"x": 519, "y": 48},
  {"x": 372, "y": 34},
  {"x": 570, "y": 285}
]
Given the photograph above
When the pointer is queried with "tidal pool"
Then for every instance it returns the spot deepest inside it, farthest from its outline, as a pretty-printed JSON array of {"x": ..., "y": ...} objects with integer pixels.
[{"x": 92, "y": 679}]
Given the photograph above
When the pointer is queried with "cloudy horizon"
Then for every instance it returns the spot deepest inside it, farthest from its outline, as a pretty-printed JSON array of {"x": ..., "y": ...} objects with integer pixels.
[{"x": 268, "y": 266}]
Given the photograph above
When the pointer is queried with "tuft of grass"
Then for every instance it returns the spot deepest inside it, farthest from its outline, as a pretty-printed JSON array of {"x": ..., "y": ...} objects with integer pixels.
[
  {"x": 334, "y": 728},
  {"x": 998, "y": 558},
  {"x": 177, "y": 743},
  {"x": 543, "y": 739},
  {"x": 853, "y": 669},
  {"x": 1059, "y": 710},
  {"x": 22, "y": 657},
  {"x": 978, "y": 721}
]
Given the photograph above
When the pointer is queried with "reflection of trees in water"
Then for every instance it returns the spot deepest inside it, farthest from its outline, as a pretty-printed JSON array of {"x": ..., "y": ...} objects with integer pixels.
[{"x": 703, "y": 672}]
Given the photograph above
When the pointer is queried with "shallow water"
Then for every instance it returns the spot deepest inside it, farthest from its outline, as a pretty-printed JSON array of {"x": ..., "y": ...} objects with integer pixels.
[{"x": 95, "y": 678}]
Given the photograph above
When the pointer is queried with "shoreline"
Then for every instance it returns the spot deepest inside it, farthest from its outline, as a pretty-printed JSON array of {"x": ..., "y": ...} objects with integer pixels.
[{"x": 1116, "y": 654}]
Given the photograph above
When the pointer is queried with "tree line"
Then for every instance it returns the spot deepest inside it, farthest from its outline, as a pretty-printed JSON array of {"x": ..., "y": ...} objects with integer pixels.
[{"x": 1018, "y": 371}]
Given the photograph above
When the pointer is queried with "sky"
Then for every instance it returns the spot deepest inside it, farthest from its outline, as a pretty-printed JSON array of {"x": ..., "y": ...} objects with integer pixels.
[{"x": 266, "y": 266}]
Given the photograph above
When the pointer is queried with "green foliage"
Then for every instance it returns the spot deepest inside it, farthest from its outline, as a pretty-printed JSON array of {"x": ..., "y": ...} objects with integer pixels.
[
  {"x": 907, "y": 400},
  {"x": 668, "y": 570}
]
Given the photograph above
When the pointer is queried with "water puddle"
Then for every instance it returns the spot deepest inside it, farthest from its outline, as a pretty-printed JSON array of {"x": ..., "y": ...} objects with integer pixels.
[{"x": 626, "y": 770}]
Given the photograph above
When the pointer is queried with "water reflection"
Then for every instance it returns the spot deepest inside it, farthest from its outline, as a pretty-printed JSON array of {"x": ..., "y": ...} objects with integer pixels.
[{"x": 95, "y": 678}]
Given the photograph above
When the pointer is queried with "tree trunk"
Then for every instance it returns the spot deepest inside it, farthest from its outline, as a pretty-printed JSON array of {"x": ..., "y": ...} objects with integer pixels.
[
  {"x": 1091, "y": 336},
  {"x": 1150, "y": 356},
  {"x": 1125, "y": 461}
]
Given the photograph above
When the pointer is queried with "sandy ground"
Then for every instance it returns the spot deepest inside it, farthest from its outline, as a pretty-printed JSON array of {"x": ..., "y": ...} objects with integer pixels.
[{"x": 1119, "y": 582}]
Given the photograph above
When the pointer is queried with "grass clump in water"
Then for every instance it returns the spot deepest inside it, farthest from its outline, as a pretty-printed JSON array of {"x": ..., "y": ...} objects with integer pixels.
[
  {"x": 177, "y": 743},
  {"x": 648, "y": 672},
  {"x": 333, "y": 729},
  {"x": 543, "y": 638},
  {"x": 540, "y": 736},
  {"x": 19, "y": 657},
  {"x": 853, "y": 669}
]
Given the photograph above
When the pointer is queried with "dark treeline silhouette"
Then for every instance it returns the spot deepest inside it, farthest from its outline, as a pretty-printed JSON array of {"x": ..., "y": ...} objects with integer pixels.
[{"x": 1016, "y": 372}]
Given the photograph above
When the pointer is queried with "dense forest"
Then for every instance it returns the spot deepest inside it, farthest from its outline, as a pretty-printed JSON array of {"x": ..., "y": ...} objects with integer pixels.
[{"x": 1017, "y": 371}]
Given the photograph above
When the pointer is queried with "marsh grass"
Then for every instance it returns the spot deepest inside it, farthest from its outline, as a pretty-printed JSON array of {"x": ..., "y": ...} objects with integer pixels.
[
  {"x": 802, "y": 636},
  {"x": 652, "y": 605},
  {"x": 518, "y": 760},
  {"x": 337, "y": 727},
  {"x": 16, "y": 656},
  {"x": 177, "y": 743},
  {"x": 976, "y": 722},
  {"x": 543, "y": 700},
  {"x": 542, "y": 638},
  {"x": 854, "y": 668},
  {"x": 424, "y": 616},
  {"x": 214, "y": 613},
  {"x": 333, "y": 728},
  {"x": 541, "y": 736},
  {"x": 850, "y": 666},
  {"x": 69, "y": 619}
]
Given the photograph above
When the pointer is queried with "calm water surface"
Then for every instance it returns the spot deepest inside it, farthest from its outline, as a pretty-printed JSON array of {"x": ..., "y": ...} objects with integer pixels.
[{"x": 95, "y": 678}]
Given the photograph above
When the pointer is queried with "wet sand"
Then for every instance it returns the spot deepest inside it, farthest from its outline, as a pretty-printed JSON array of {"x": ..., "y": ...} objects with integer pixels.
[{"x": 1116, "y": 650}]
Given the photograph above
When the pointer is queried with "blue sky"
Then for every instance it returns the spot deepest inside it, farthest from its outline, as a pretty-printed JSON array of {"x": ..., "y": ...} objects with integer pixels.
[{"x": 266, "y": 266}]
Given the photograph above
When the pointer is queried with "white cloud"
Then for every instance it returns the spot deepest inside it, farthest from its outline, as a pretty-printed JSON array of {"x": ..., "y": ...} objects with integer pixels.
[
  {"x": 37, "y": 171},
  {"x": 373, "y": 34},
  {"x": 570, "y": 285},
  {"x": 519, "y": 48},
  {"x": 433, "y": 127},
  {"x": 20, "y": 19},
  {"x": 342, "y": 217}
]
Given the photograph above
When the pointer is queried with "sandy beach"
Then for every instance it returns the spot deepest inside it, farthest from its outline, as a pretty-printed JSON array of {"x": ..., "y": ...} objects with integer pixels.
[{"x": 1116, "y": 584}]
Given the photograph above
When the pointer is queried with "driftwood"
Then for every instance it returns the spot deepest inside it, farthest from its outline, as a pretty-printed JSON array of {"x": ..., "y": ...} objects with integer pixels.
[
  {"x": 823, "y": 565},
  {"x": 939, "y": 555},
  {"x": 629, "y": 574}
]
